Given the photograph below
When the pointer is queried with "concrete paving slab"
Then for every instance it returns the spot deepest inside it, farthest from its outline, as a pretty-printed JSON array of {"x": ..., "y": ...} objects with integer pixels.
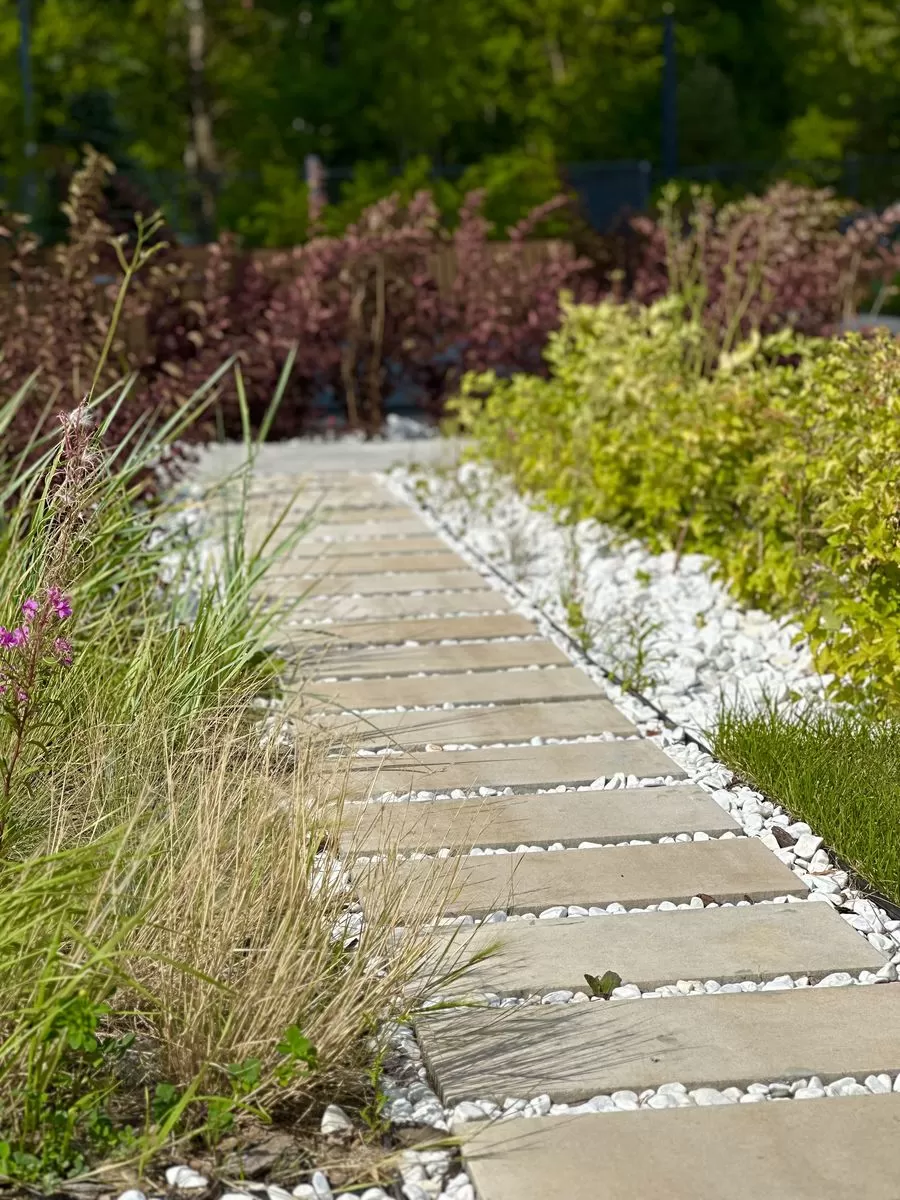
[
  {"x": 479, "y": 687},
  {"x": 376, "y": 585},
  {"x": 573, "y": 1052},
  {"x": 364, "y": 547},
  {"x": 634, "y": 876},
  {"x": 504, "y": 822},
  {"x": 372, "y": 521},
  {"x": 506, "y": 723},
  {"x": 792, "y": 1151},
  {"x": 373, "y": 563},
  {"x": 378, "y": 663},
  {"x": 395, "y": 606},
  {"x": 523, "y": 767},
  {"x": 301, "y": 455},
  {"x": 422, "y": 631},
  {"x": 398, "y": 522},
  {"x": 726, "y": 944}
]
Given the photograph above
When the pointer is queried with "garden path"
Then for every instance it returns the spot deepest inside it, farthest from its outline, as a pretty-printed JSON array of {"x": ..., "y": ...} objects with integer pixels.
[{"x": 418, "y": 654}]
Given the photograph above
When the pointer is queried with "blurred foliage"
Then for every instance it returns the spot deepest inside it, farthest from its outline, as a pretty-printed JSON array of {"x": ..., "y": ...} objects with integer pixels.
[{"x": 398, "y": 82}]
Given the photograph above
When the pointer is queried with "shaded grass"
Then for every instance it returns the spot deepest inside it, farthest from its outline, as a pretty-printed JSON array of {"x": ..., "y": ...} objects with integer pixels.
[{"x": 837, "y": 770}]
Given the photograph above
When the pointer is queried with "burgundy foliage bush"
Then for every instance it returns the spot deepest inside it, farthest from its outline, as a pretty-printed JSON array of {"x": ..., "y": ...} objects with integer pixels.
[
  {"x": 364, "y": 313},
  {"x": 788, "y": 257},
  {"x": 396, "y": 302}
]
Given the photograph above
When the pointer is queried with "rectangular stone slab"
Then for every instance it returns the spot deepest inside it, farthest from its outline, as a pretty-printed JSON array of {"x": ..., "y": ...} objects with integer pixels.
[
  {"x": 375, "y": 585},
  {"x": 367, "y": 522},
  {"x": 631, "y": 875},
  {"x": 506, "y": 723},
  {"x": 649, "y": 949},
  {"x": 422, "y": 631},
  {"x": 478, "y": 687},
  {"x": 372, "y": 563},
  {"x": 524, "y": 767},
  {"x": 504, "y": 822},
  {"x": 365, "y": 547},
  {"x": 393, "y": 524},
  {"x": 379, "y": 663},
  {"x": 573, "y": 1052},
  {"x": 395, "y": 606},
  {"x": 790, "y": 1151}
]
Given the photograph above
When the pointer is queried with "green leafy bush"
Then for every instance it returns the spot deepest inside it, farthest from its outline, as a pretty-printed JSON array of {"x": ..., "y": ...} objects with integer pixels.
[{"x": 781, "y": 463}]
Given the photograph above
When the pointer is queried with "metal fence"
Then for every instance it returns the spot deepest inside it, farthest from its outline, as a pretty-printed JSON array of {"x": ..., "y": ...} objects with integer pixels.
[{"x": 606, "y": 190}]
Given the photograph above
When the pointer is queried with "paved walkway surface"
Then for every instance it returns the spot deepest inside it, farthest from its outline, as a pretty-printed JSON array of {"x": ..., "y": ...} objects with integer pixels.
[{"x": 392, "y": 617}]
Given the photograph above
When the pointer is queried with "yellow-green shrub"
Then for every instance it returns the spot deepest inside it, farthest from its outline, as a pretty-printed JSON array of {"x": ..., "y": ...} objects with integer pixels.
[{"x": 782, "y": 464}]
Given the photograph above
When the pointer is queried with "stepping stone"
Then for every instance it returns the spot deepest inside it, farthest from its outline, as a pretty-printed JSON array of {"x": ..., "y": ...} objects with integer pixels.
[
  {"x": 742, "y": 1152},
  {"x": 431, "y": 629},
  {"x": 524, "y": 767},
  {"x": 650, "y": 949},
  {"x": 391, "y": 607},
  {"x": 395, "y": 523},
  {"x": 478, "y": 687},
  {"x": 584, "y": 1050},
  {"x": 375, "y": 585},
  {"x": 507, "y": 723},
  {"x": 373, "y": 563},
  {"x": 367, "y": 547},
  {"x": 631, "y": 875},
  {"x": 347, "y": 523},
  {"x": 413, "y": 660},
  {"x": 504, "y": 822}
]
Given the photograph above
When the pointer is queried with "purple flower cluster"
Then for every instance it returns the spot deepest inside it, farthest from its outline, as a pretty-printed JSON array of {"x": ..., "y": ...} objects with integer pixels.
[{"x": 17, "y": 678}]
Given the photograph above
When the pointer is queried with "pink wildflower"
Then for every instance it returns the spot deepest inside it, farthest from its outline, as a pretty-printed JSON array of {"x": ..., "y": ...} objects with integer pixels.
[
  {"x": 22, "y": 695},
  {"x": 62, "y": 648},
  {"x": 30, "y": 608},
  {"x": 6, "y": 638},
  {"x": 62, "y": 605},
  {"x": 11, "y": 638}
]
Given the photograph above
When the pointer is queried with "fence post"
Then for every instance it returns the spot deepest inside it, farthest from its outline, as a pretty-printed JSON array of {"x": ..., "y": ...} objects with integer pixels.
[
  {"x": 669, "y": 97},
  {"x": 27, "y": 104}
]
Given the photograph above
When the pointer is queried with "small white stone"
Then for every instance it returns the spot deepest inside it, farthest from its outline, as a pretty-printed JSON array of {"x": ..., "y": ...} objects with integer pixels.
[
  {"x": 820, "y": 861},
  {"x": 561, "y": 996},
  {"x": 467, "y": 1110},
  {"x": 806, "y": 846},
  {"x": 662, "y": 1101},
  {"x": 809, "y": 1093},
  {"x": 335, "y": 1120},
  {"x": 881, "y": 942},
  {"x": 414, "y": 1191},
  {"x": 708, "y": 1096},
  {"x": 627, "y": 991},
  {"x": 879, "y": 1085},
  {"x": 135, "y": 1194},
  {"x": 836, "y": 979},
  {"x": 550, "y": 914},
  {"x": 185, "y": 1178},
  {"x": 842, "y": 1087},
  {"x": 672, "y": 1089},
  {"x": 320, "y": 1186}
]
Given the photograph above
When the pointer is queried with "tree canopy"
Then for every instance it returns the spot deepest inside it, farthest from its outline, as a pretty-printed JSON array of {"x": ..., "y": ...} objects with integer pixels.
[{"x": 399, "y": 81}]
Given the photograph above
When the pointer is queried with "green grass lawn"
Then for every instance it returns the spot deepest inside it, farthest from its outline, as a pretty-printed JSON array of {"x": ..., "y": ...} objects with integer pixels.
[{"x": 838, "y": 771}]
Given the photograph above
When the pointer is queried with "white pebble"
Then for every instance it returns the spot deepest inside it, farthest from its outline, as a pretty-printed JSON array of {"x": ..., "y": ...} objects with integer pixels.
[
  {"x": 185, "y": 1178},
  {"x": 807, "y": 844},
  {"x": 335, "y": 1120},
  {"x": 707, "y": 1096}
]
